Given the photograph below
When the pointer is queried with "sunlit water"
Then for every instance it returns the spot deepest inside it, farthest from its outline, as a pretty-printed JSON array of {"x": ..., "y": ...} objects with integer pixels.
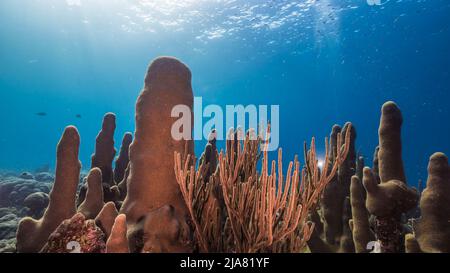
[{"x": 323, "y": 62}]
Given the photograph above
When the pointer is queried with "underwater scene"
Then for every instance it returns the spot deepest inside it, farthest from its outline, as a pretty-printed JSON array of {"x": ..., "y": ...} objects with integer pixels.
[{"x": 224, "y": 126}]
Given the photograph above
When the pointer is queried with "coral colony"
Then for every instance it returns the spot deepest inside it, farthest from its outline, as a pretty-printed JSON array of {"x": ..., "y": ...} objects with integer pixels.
[{"x": 160, "y": 198}]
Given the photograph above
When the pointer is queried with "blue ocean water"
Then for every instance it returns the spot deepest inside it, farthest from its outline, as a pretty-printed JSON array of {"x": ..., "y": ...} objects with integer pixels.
[{"x": 322, "y": 61}]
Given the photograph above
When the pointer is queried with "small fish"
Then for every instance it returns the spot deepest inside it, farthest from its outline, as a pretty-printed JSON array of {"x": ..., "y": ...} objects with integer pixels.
[
  {"x": 78, "y": 116},
  {"x": 41, "y": 114}
]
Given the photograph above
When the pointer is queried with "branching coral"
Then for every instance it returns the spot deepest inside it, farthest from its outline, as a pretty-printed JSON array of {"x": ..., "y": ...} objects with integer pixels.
[
  {"x": 333, "y": 199},
  {"x": 332, "y": 219},
  {"x": 263, "y": 209}
]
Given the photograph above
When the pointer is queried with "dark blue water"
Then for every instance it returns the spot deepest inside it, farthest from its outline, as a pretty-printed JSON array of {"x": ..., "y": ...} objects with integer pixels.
[{"x": 323, "y": 62}]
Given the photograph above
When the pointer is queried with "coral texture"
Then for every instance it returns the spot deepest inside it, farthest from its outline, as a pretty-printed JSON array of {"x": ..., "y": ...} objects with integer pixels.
[
  {"x": 76, "y": 235},
  {"x": 36, "y": 203}
]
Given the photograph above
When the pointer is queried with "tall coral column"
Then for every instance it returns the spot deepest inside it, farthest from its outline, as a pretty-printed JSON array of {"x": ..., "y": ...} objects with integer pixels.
[
  {"x": 151, "y": 181},
  {"x": 433, "y": 228},
  {"x": 33, "y": 234},
  {"x": 104, "y": 149},
  {"x": 392, "y": 197}
]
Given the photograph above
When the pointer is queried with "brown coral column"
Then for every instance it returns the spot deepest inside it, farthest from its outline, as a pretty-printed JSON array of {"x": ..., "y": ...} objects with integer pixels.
[
  {"x": 433, "y": 228},
  {"x": 93, "y": 203},
  {"x": 117, "y": 241},
  {"x": 151, "y": 182},
  {"x": 33, "y": 234},
  {"x": 360, "y": 217},
  {"x": 123, "y": 159},
  {"x": 105, "y": 218},
  {"x": 104, "y": 149},
  {"x": 346, "y": 241},
  {"x": 390, "y": 199},
  {"x": 335, "y": 193},
  {"x": 390, "y": 153},
  {"x": 332, "y": 198}
]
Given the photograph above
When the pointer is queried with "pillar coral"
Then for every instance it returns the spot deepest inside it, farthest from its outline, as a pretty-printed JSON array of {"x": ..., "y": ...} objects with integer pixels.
[
  {"x": 433, "y": 228},
  {"x": 104, "y": 149},
  {"x": 117, "y": 241},
  {"x": 93, "y": 202},
  {"x": 333, "y": 198},
  {"x": 359, "y": 224},
  {"x": 123, "y": 159},
  {"x": 33, "y": 234},
  {"x": 392, "y": 197},
  {"x": 105, "y": 218},
  {"x": 151, "y": 182}
]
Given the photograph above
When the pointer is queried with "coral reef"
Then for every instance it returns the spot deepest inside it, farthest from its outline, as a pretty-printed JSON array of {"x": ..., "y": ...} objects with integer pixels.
[
  {"x": 44, "y": 177},
  {"x": 36, "y": 203},
  {"x": 26, "y": 176},
  {"x": 8, "y": 225},
  {"x": 13, "y": 190},
  {"x": 160, "y": 198},
  {"x": 19, "y": 198}
]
